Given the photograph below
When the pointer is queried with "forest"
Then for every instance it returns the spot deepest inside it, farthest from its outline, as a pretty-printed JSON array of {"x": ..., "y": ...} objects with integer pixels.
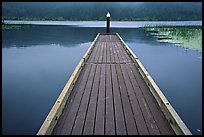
[{"x": 90, "y": 11}]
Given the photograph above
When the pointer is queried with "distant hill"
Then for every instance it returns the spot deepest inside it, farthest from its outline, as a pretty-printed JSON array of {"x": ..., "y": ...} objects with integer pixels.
[{"x": 161, "y": 11}]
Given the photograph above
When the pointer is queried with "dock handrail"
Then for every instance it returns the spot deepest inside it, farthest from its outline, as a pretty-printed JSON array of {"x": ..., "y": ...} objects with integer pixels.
[
  {"x": 173, "y": 118},
  {"x": 51, "y": 120}
]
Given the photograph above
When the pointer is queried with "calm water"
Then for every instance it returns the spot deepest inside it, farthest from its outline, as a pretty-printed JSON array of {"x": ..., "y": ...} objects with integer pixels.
[
  {"x": 38, "y": 61},
  {"x": 113, "y": 24}
]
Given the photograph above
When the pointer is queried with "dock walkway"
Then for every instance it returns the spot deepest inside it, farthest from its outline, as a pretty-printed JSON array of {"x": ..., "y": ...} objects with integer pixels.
[{"x": 110, "y": 96}]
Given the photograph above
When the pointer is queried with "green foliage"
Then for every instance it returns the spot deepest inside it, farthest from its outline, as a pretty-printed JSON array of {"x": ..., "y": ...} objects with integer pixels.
[
  {"x": 7, "y": 26},
  {"x": 35, "y": 19},
  {"x": 127, "y": 11}
]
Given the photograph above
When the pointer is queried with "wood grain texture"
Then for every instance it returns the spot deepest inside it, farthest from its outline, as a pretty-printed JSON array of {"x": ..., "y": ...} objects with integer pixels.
[{"x": 110, "y": 97}]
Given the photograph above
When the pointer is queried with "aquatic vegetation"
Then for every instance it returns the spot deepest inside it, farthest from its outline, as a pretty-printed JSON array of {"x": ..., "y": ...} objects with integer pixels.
[
  {"x": 185, "y": 36},
  {"x": 8, "y": 26}
]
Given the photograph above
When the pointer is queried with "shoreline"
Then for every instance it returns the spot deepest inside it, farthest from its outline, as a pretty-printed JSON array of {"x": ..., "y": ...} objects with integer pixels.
[{"x": 104, "y": 20}]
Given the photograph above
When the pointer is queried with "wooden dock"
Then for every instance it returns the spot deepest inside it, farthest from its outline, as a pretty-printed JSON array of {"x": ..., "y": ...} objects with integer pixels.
[{"x": 111, "y": 93}]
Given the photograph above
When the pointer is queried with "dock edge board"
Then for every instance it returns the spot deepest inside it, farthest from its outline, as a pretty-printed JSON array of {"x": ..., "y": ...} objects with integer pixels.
[
  {"x": 173, "y": 118},
  {"x": 54, "y": 114}
]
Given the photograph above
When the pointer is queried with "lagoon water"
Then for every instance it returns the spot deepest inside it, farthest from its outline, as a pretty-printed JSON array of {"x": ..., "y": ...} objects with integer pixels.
[
  {"x": 114, "y": 24},
  {"x": 38, "y": 61}
]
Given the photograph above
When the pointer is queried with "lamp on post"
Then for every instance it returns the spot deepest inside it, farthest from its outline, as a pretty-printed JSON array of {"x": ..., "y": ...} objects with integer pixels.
[{"x": 108, "y": 23}]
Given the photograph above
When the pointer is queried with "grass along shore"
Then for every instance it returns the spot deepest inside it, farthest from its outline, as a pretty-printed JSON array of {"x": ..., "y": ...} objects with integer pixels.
[
  {"x": 184, "y": 36},
  {"x": 10, "y": 26}
]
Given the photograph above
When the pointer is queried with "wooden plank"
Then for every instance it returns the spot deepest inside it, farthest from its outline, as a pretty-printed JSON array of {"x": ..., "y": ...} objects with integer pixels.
[
  {"x": 150, "y": 122},
  {"x": 130, "y": 81},
  {"x": 121, "y": 53},
  {"x": 55, "y": 112},
  {"x": 100, "y": 38},
  {"x": 110, "y": 120},
  {"x": 100, "y": 113},
  {"x": 88, "y": 52},
  {"x": 51, "y": 120},
  {"x": 108, "y": 52},
  {"x": 94, "y": 52},
  {"x": 96, "y": 58},
  {"x": 70, "y": 114},
  {"x": 124, "y": 54},
  {"x": 156, "y": 112},
  {"x": 105, "y": 38},
  {"x": 93, "y": 55},
  {"x": 127, "y": 55},
  {"x": 101, "y": 52},
  {"x": 115, "y": 53},
  {"x": 117, "y": 46},
  {"x": 139, "y": 79},
  {"x": 70, "y": 100},
  {"x": 108, "y": 38},
  {"x": 112, "y": 58},
  {"x": 175, "y": 121},
  {"x": 104, "y": 53},
  {"x": 116, "y": 38},
  {"x": 80, "y": 119},
  {"x": 111, "y": 38},
  {"x": 114, "y": 99},
  {"x": 129, "y": 119},
  {"x": 153, "y": 129},
  {"x": 90, "y": 118},
  {"x": 119, "y": 114}
]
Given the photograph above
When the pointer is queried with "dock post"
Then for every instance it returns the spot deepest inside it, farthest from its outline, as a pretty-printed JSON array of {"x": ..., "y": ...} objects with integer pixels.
[{"x": 108, "y": 23}]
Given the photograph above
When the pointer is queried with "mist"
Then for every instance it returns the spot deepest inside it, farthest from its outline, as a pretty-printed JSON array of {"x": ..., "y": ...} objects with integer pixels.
[{"x": 161, "y": 11}]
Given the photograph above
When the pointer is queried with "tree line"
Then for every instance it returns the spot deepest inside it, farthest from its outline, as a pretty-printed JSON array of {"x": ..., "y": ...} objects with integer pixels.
[{"x": 120, "y": 11}]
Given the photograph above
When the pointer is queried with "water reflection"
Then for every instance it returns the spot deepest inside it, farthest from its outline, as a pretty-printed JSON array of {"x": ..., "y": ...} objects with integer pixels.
[
  {"x": 136, "y": 35},
  {"x": 187, "y": 37},
  {"x": 114, "y": 24},
  {"x": 37, "y": 62},
  {"x": 46, "y": 35},
  {"x": 32, "y": 79}
]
